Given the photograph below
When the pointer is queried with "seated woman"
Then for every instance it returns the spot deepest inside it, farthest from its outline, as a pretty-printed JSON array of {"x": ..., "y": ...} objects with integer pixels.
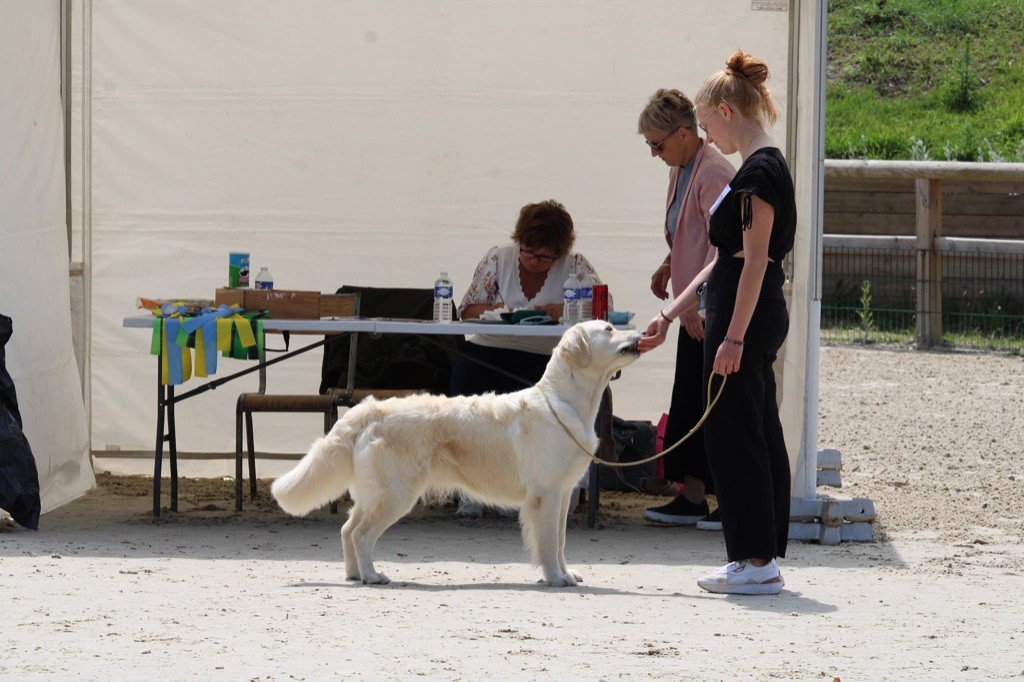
[{"x": 527, "y": 273}]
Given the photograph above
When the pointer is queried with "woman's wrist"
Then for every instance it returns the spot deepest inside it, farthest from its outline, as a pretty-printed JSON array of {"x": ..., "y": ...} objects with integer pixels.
[
  {"x": 735, "y": 342},
  {"x": 667, "y": 318}
]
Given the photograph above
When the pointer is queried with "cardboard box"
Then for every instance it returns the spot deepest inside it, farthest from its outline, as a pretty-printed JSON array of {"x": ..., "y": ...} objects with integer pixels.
[
  {"x": 338, "y": 305},
  {"x": 283, "y": 304}
]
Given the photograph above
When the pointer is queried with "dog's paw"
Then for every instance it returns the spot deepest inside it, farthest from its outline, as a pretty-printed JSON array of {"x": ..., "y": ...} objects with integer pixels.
[
  {"x": 349, "y": 576},
  {"x": 562, "y": 580},
  {"x": 374, "y": 578},
  {"x": 574, "y": 574}
]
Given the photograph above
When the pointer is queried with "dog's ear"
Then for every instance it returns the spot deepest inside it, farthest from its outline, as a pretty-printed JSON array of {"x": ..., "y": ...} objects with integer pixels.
[{"x": 575, "y": 347}]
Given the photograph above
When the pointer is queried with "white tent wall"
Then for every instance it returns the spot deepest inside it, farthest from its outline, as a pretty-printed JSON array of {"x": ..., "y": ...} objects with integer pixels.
[
  {"x": 34, "y": 288},
  {"x": 371, "y": 143}
]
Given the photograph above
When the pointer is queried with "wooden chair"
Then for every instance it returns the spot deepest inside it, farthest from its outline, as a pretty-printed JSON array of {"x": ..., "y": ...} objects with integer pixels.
[
  {"x": 355, "y": 366},
  {"x": 248, "y": 403}
]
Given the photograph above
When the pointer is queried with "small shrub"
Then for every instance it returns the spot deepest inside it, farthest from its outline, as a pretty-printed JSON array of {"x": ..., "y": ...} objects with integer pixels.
[
  {"x": 919, "y": 150},
  {"x": 864, "y": 314},
  {"x": 962, "y": 93}
]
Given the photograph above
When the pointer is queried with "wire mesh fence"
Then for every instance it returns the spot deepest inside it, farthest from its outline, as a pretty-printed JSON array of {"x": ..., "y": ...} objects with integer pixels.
[{"x": 869, "y": 296}]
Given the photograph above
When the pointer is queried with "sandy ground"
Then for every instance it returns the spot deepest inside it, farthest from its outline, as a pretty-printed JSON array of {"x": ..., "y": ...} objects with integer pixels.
[{"x": 935, "y": 440}]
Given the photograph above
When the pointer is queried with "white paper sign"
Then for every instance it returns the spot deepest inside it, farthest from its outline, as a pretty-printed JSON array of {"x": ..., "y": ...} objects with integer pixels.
[{"x": 769, "y": 5}]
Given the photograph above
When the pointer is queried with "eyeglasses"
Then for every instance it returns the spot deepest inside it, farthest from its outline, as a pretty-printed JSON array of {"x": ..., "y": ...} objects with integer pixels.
[
  {"x": 660, "y": 144},
  {"x": 539, "y": 257},
  {"x": 700, "y": 123}
]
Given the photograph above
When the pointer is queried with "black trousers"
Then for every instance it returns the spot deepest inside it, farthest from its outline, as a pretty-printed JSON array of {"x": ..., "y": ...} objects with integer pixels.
[
  {"x": 743, "y": 434},
  {"x": 471, "y": 378},
  {"x": 688, "y": 391}
]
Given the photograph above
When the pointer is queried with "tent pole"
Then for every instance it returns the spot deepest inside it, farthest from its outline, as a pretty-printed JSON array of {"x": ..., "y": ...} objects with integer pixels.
[
  {"x": 65, "y": 95},
  {"x": 87, "y": 212}
]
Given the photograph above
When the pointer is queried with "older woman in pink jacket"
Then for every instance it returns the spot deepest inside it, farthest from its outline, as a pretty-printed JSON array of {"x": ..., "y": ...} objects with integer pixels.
[{"x": 698, "y": 175}]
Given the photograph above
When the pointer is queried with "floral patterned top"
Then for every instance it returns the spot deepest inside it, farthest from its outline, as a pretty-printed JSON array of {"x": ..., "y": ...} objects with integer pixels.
[{"x": 496, "y": 280}]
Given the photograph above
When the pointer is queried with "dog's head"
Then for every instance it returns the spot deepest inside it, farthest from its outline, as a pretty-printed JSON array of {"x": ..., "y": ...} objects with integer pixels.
[{"x": 598, "y": 344}]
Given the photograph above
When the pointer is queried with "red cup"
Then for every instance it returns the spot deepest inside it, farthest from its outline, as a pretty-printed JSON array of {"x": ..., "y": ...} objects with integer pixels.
[{"x": 600, "y": 301}]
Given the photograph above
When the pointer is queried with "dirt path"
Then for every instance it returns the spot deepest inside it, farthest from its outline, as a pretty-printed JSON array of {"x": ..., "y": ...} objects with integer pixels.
[{"x": 936, "y": 441}]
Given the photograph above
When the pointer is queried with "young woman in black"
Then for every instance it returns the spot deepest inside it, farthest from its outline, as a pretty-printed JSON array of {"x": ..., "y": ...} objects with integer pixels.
[{"x": 753, "y": 224}]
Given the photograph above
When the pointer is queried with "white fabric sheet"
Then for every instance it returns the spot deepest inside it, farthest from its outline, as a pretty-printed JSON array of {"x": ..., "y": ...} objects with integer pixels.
[
  {"x": 370, "y": 143},
  {"x": 34, "y": 289}
]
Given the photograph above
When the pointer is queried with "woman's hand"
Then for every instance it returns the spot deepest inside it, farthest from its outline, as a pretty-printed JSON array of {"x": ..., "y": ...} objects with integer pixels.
[
  {"x": 727, "y": 359},
  {"x": 693, "y": 323},
  {"x": 477, "y": 309},
  {"x": 659, "y": 281},
  {"x": 657, "y": 329},
  {"x": 552, "y": 310}
]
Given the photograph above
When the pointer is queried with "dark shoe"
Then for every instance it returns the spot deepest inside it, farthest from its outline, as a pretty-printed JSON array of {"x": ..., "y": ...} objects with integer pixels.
[
  {"x": 678, "y": 512},
  {"x": 712, "y": 521}
]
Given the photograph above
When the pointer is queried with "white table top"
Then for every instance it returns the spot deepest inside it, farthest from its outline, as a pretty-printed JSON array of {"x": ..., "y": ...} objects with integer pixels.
[{"x": 388, "y": 326}]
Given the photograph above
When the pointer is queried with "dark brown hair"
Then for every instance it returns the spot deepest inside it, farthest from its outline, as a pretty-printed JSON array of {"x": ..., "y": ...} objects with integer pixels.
[{"x": 545, "y": 225}]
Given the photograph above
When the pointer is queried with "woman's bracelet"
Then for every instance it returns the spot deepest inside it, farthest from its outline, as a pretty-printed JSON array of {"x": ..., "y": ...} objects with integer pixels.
[
  {"x": 734, "y": 342},
  {"x": 667, "y": 318}
]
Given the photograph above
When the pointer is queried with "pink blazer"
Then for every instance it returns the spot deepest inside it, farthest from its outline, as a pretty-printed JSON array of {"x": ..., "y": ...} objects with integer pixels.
[{"x": 691, "y": 250}]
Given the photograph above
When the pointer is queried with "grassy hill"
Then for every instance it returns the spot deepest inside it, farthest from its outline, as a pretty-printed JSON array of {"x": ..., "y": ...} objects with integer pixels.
[{"x": 925, "y": 79}]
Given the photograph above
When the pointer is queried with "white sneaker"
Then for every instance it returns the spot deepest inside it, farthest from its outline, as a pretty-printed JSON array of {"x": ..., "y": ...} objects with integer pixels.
[{"x": 743, "y": 577}]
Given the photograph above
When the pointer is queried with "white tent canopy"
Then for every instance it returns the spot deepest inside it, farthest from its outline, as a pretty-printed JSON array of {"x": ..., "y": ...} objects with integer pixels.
[
  {"x": 358, "y": 143},
  {"x": 34, "y": 250}
]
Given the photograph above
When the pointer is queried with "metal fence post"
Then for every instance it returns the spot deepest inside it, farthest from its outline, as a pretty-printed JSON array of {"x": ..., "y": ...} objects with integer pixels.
[{"x": 929, "y": 262}]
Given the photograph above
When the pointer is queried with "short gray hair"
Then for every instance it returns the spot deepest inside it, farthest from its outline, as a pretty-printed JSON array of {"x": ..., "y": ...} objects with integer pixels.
[{"x": 667, "y": 110}]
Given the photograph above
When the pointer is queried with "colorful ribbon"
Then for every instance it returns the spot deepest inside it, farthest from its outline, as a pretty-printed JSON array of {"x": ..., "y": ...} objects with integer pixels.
[{"x": 225, "y": 329}]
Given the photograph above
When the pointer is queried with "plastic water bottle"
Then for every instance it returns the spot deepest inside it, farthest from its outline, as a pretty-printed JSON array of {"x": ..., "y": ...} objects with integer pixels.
[
  {"x": 571, "y": 299},
  {"x": 443, "y": 299},
  {"x": 264, "y": 280},
  {"x": 586, "y": 296}
]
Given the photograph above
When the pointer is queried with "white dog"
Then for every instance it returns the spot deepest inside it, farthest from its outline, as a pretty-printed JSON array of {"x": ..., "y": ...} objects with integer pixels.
[{"x": 503, "y": 450}]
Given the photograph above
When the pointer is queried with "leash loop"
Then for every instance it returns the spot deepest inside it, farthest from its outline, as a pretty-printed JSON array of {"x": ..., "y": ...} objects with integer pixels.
[{"x": 711, "y": 403}]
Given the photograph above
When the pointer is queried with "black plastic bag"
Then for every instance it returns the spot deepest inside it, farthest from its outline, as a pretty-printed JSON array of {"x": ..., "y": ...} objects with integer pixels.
[
  {"x": 392, "y": 361},
  {"x": 19, "y": 480},
  {"x": 634, "y": 441}
]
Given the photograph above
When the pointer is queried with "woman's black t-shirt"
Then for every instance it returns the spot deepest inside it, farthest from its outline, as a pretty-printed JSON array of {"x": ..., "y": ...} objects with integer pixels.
[{"x": 764, "y": 174}]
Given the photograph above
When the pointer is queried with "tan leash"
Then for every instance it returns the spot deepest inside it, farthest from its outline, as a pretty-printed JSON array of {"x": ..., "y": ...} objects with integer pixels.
[{"x": 700, "y": 422}]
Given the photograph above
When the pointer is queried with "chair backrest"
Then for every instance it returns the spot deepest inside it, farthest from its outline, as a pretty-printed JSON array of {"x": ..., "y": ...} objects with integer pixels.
[{"x": 392, "y": 361}]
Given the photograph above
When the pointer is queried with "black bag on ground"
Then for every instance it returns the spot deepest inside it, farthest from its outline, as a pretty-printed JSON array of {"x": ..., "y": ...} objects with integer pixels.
[
  {"x": 19, "y": 480},
  {"x": 634, "y": 440},
  {"x": 392, "y": 361}
]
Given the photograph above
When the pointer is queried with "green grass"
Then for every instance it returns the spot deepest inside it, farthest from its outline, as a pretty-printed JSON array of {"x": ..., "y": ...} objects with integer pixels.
[
  {"x": 925, "y": 79},
  {"x": 906, "y": 338}
]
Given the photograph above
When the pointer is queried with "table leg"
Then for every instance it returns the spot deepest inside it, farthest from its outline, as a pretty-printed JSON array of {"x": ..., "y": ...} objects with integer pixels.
[
  {"x": 158, "y": 451},
  {"x": 592, "y": 492},
  {"x": 172, "y": 448},
  {"x": 605, "y": 450}
]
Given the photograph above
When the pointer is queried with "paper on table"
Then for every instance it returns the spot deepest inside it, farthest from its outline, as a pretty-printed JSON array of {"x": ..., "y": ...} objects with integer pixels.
[{"x": 494, "y": 315}]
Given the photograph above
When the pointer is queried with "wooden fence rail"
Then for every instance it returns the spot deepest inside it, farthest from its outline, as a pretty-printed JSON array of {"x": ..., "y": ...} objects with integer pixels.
[{"x": 869, "y": 197}]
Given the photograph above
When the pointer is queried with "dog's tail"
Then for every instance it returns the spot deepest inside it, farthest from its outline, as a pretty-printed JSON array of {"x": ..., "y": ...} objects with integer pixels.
[{"x": 324, "y": 473}]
